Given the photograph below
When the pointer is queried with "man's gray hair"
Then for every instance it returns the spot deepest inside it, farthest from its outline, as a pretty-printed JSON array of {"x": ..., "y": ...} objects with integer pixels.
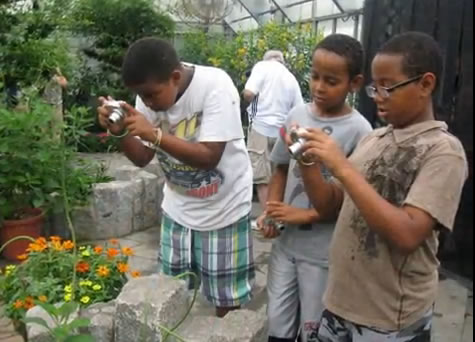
[{"x": 274, "y": 55}]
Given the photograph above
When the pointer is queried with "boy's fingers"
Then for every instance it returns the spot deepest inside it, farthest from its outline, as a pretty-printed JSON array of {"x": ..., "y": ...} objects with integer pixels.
[{"x": 131, "y": 111}]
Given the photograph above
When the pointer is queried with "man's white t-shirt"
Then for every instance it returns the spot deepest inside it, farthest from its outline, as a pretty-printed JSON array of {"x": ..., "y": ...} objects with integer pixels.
[
  {"x": 277, "y": 93},
  {"x": 209, "y": 111}
]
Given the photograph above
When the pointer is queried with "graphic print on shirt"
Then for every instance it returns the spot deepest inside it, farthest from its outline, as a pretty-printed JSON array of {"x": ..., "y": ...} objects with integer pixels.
[
  {"x": 184, "y": 179},
  {"x": 391, "y": 175}
]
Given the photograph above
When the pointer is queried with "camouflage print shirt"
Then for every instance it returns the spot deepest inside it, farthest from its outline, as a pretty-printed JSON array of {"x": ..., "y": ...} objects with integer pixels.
[{"x": 372, "y": 283}]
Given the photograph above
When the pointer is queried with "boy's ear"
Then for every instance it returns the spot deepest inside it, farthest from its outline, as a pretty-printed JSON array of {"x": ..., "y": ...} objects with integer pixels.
[
  {"x": 176, "y": 76},
  {"x": 428, "y": 84},
  {"x": 357, "y": 83}
]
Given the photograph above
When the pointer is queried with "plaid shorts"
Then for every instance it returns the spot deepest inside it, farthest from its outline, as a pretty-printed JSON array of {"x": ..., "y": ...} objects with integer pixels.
[{"x": 223, "y": 259}]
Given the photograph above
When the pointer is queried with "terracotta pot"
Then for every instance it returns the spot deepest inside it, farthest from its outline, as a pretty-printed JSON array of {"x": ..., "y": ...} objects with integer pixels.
[{"x": 31, "y": 227}]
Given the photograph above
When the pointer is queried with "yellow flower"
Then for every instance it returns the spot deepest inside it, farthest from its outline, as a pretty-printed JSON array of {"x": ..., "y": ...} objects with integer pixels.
[
  {"x": 68, "y": 289},
  {"x": 82, "y": 248},
  {"x": 123, "y": 268},
  {"x": 57, "y": 246},
  {"x": 85, "y": 299},
  {"x": 242, "y": 52},
  {"x": 103, "y": 271},
  {"x": 86, "y": 253},
  {"x": 127, "y": 251},
  {"x": 9, "y": 269},
  {"x": 97, "y": 287},
  {"x": 68, "y": 297},
  {"x": 85, "y": 283},
  {"x": 43, "y": 299}
]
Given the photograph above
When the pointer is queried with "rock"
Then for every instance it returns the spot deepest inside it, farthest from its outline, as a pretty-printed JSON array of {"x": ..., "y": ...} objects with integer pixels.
[
  {"x": 145, "y": 304},
  {"x": 147, "y": 203},
  {"x": 102, "y": 318},
  {"x": 237, "y": 326},
  {"x": 110, "y": 214},
  {"x": 38, "y": 333}
]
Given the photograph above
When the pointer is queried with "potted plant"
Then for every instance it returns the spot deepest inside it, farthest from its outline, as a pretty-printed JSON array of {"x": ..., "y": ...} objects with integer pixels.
[{"x": 30, "y": 164}]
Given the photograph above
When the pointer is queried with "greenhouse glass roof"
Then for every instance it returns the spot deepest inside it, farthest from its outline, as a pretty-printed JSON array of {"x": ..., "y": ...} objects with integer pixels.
[{"x": 242, "y": 15}]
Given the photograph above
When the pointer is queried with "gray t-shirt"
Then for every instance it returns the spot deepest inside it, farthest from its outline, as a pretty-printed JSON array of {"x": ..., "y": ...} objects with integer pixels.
[{"x": 312, "y": 242}]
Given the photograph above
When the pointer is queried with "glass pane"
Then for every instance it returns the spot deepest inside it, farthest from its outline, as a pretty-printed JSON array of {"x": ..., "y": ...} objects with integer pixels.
[
  {"x": 300, "y": 12},
  {"x": 326, "y": 7},
  {"x": 326, "y": 27},
  {"x": 345, "y": 26},
  {"x": 351, "y": 5}
]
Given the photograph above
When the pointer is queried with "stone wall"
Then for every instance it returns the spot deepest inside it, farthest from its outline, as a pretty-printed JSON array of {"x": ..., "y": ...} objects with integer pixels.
[
  {"x": 130, "y": 203},
  {"x": 146, "y": 305}
]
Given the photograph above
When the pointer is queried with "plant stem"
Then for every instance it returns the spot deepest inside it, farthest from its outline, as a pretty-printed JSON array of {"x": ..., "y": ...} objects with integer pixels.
[{"x": 16, "y": 239}]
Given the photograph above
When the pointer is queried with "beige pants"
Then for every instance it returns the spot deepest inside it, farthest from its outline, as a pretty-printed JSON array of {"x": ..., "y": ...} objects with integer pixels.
[{"x": 260, "y": 148}]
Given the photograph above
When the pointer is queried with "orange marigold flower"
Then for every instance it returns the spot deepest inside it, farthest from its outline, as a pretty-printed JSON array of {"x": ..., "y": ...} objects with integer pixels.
[
  {"x": 43, "y": 299},
  {"x": 136, "y": 274},
  {"x": 41, "y": 241},
  {"x": 98, "y": 249},
  {"x": 123, "y": 268},
  {"x": 22, "y": 257},
  {"x": 68, "y": 245},
  {"x": 127, "y": 251},
  {"x": 55, "y": 238},
  {"x": 29, "y": 303},
  {"x": 112, "y": 253},
  {"x": 82, "y": 267},
  {"x": 114, "y": 242},
  {"x": 103, "y": 271},
  {"x": 35, "y": 247},
  {"x": 18, "y": 304},
  {"x": 58, "y": 246}
]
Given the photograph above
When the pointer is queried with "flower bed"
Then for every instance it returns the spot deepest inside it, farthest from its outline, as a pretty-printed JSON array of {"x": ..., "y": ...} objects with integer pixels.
[{"x": 55, "y": 271}]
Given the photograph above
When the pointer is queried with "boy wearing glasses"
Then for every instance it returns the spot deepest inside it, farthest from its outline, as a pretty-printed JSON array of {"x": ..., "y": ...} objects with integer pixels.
[{"x": 400, "y": 188}]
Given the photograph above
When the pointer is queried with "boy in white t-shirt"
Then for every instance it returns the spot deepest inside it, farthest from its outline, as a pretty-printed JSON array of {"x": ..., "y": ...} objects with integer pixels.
[{"x": 189, "y": 118}]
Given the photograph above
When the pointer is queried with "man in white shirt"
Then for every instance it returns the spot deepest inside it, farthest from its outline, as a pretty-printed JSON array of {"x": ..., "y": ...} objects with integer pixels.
[
  {"x": 189, "y": 118},
  {"x": 272, "y": 91}
]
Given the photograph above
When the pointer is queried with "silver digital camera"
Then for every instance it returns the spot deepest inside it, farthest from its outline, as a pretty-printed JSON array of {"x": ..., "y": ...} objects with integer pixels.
[
  {"x": 117, "y": 114},
  {"x": 296, "y": 148},
  {"x": 277, "y": 225}
]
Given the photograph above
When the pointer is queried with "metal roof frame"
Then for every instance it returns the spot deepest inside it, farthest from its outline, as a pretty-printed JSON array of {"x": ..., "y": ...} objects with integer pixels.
[{"x": 282, "y": 9}]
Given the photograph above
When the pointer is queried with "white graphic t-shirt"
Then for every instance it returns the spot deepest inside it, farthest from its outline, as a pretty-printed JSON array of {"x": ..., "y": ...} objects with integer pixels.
[{"x": 209, "y": 111}]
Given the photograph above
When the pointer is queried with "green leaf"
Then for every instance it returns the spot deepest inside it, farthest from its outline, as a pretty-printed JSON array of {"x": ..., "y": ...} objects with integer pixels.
[
  {"x": 79, "y": 323},
  {"x": 50, "y": 309},
  {"x": 36, "y": 320},
  {"x": 67, "y": 310}
]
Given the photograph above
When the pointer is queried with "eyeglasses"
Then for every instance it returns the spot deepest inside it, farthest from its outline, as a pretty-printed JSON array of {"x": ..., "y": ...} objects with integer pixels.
[{"x": 385, "y": 92}]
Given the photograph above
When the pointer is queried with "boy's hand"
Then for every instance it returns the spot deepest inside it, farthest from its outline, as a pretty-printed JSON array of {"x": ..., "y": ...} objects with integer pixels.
[
  {"x": 103, "y": 115},
  {"x": 282, "y": 212},
  {"x": 321, "y": 147},
  {"x": 267, "y": 231},
  {"x": 138, "y": 125}
]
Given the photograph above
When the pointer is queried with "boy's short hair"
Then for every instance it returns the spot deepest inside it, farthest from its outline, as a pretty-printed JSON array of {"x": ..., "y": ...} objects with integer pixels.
[
  {"x": 346, "y": 47},
  {"x": 421, "y": 52},
  {"x": 149, "y": 59}
]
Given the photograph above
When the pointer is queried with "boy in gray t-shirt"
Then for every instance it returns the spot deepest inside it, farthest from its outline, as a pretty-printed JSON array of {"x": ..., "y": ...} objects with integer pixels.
[{"x": 298, "y": 269}]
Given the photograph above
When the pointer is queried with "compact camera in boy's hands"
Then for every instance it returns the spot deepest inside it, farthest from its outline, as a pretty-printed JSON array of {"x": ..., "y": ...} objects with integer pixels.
[
  {"x": 296, "y": 149},
  {"x": 117, "y": 112},
  {"x": 273, "y": 223}
]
